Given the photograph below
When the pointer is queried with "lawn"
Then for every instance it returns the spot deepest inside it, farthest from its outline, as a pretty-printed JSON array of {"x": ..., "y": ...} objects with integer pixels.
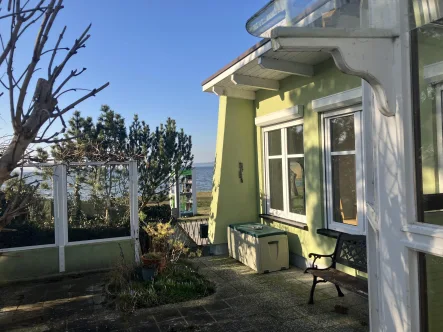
[{"x": 204, "y": 203}]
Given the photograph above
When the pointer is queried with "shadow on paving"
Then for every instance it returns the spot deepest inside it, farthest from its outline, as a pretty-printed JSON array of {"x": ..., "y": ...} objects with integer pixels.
[{"x": 244, "y": 301}]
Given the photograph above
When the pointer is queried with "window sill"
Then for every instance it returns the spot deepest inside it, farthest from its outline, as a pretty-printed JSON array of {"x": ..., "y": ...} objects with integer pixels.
[
  {"x": 328, "y": 232},
  {"x": 296, "y": 224}
]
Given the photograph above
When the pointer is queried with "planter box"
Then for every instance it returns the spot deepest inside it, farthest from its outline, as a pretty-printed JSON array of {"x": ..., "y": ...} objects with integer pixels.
[{"x": 261, "y": 247}]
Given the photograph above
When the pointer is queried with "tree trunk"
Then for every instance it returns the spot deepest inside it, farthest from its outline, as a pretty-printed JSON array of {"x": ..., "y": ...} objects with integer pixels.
[{"x": 25, "y": 133}]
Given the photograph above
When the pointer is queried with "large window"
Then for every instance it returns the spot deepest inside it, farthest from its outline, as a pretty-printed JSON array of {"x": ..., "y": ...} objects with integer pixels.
[
  {"x": 427, "y": 87},
  {"x": 285, "y": 171},
  {"x": 344, "y": 171}
]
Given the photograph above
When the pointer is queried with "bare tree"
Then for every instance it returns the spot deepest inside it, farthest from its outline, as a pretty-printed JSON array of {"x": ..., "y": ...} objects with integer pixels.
[{"x": 31, "y": 126}]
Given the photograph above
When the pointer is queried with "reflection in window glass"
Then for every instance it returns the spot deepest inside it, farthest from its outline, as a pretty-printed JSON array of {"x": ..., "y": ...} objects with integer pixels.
[
  {"x": 296, "y": 179},
  {"x": 274, "y": 143},
  {"x": 276, "y": 184},
  {"x": 422, "y": 12},
  {"x": 344, "y": 194},
  {"x": 35, "y": 226},
  {"x": 295, "y": 140},
  {"x": 430, "y": 44},
  {"x": 343, "y": 134},
  {"x": 433, "y": 266},
  {"x": 98, "y": 202}
]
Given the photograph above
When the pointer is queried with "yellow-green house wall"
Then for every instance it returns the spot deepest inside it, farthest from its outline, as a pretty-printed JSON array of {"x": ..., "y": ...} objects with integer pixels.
[
  {"x": 296, "y": 90},
  {"x": 234, "y": 192}
]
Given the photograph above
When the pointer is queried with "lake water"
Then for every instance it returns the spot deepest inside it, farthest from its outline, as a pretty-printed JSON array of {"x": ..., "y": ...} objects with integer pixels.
[
  {"x": 203, "y": 174},
  {"x": 204, "y": 178}
]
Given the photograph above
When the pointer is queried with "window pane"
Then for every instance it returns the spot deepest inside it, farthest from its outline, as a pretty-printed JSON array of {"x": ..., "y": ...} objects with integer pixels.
[
  {"x": 296, "y": 179},
  {"x": 274, "y": 143},
  {"x": 433, "y": 290},
  {"x": 295, "y": 140},
  {"x": 98, "y": 202},
  {"x": 344, "y": 195},
  {"x": 35, "y": 226},
  {"x": 342, "y": 133},
  {"x": 276, "y": 184},
  {"x": 427, "y": 99}
]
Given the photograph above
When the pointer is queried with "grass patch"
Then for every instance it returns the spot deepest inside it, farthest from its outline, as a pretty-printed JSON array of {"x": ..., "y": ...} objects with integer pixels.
[
  {"x": 204, "y": 203},
  {"x": 177, "y": 283}
]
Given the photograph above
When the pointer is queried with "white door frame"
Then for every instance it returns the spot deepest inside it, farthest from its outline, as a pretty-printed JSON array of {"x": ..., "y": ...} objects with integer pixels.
[{"x": 390, "y": 180}]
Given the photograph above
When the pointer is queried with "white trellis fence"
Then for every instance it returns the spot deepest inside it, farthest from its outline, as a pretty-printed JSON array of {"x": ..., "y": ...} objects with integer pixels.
[{"x": 90, "y": 220}]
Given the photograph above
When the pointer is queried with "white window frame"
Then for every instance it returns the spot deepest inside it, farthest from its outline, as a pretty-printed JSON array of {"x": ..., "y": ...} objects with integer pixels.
[
  {"x": 284, "y": 156},
  {"x": 359, "y": 166}
]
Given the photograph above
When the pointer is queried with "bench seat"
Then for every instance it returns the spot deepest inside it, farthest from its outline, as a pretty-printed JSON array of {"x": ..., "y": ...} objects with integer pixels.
[
  {"x": 344, "y": 280},
  {"x": 350, "y": 250}
]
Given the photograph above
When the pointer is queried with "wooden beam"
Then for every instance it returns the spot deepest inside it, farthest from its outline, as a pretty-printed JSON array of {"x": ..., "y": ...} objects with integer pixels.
[
  {"x": 233, "y": 93},
  {"x": 288, "y": 67},
  {"x": 255, "y": 82}
]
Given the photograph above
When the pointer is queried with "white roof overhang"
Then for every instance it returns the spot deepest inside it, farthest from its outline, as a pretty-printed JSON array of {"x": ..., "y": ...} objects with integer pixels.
[{"x": 262, "y": 68}]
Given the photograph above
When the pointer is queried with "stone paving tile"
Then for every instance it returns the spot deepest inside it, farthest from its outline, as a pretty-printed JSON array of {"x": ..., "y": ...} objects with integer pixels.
[
  {"x": 228, "y": 314},
  {"x": 199, "y": 319},
  {"x": 235, "y": 325},
  {"x": 190, "y": 311},
  {"x": 226, "y": 292},
  {"x": 329, "y": 319},
  {"x": 177, "y": 324},
  {"x": 286, "y": 313},
  {"x": 216, "y": 306},
  {"x": 139, "y": 320},
  {"x": 148, "y": 327},
  {"x": 167, "y": 315},
  {"x": 301, "y": 324}
]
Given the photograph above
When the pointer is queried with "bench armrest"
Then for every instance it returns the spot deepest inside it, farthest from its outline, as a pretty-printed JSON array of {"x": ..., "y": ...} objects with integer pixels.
[{"x": 317, "y": 256}]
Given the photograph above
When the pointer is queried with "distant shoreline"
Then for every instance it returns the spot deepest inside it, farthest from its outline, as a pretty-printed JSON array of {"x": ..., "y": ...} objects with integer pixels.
[{"x": 203, "y": 164}]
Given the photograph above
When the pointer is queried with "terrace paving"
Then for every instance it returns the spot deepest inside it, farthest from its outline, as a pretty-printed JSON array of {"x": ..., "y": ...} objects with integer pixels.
[{"x": 243, "y": 301}]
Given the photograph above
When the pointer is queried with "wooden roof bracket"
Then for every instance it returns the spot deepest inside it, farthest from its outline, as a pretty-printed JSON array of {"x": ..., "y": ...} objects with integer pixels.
[{"x": 368, "y": 54}]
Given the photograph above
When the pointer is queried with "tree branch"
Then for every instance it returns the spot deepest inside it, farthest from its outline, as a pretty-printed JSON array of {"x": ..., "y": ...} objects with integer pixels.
[
  {"x": 71, "y": 75},
  {"x": 23, "y": 11},
  {"x": 73, "y": 89},
  {"x": 42, "y": 37},
  {"x": 55, "y": 141},
  {"x": 91, "y": 94},
  {"x": 60, "y": 37},
  {"x": 56, "y": 49},
  {"x": 79, "y": 43}
]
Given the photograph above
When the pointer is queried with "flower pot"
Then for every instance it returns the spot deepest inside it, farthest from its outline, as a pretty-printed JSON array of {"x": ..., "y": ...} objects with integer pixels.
[
  {"x": 148, "y": 273},
  {"x": 150, "y": 261}
]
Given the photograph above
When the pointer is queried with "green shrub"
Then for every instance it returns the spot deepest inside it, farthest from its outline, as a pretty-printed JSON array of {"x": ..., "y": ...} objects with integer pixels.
[
  {"x": 157, "y": 213},
  {"x": 177, "y": 283}
]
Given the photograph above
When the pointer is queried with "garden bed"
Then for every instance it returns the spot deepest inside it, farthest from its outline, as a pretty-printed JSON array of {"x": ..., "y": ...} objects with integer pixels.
[{"x": 179, "y": 282}]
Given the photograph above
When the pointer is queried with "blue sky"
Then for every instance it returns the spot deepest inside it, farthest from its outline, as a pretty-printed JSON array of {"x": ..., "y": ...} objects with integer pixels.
[{"x": 155, "y": 53}]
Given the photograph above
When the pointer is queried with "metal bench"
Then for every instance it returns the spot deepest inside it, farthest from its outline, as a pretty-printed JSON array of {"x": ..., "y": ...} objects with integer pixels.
[{"x": 350, "y": 250}]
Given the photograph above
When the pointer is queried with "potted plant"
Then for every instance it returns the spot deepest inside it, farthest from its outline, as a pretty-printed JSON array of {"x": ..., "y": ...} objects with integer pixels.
[
  {"x": 160, "y": 235},
  {"x": 149, "y": 272},
  {"x": 151, "y": 258},
  {"x": 151, "y": 264}
]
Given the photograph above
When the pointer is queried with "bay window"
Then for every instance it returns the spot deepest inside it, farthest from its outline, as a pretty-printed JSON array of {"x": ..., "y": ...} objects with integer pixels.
[
  {"x": 344, "y": 171},
  {"x": 284, "y": 171}
]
